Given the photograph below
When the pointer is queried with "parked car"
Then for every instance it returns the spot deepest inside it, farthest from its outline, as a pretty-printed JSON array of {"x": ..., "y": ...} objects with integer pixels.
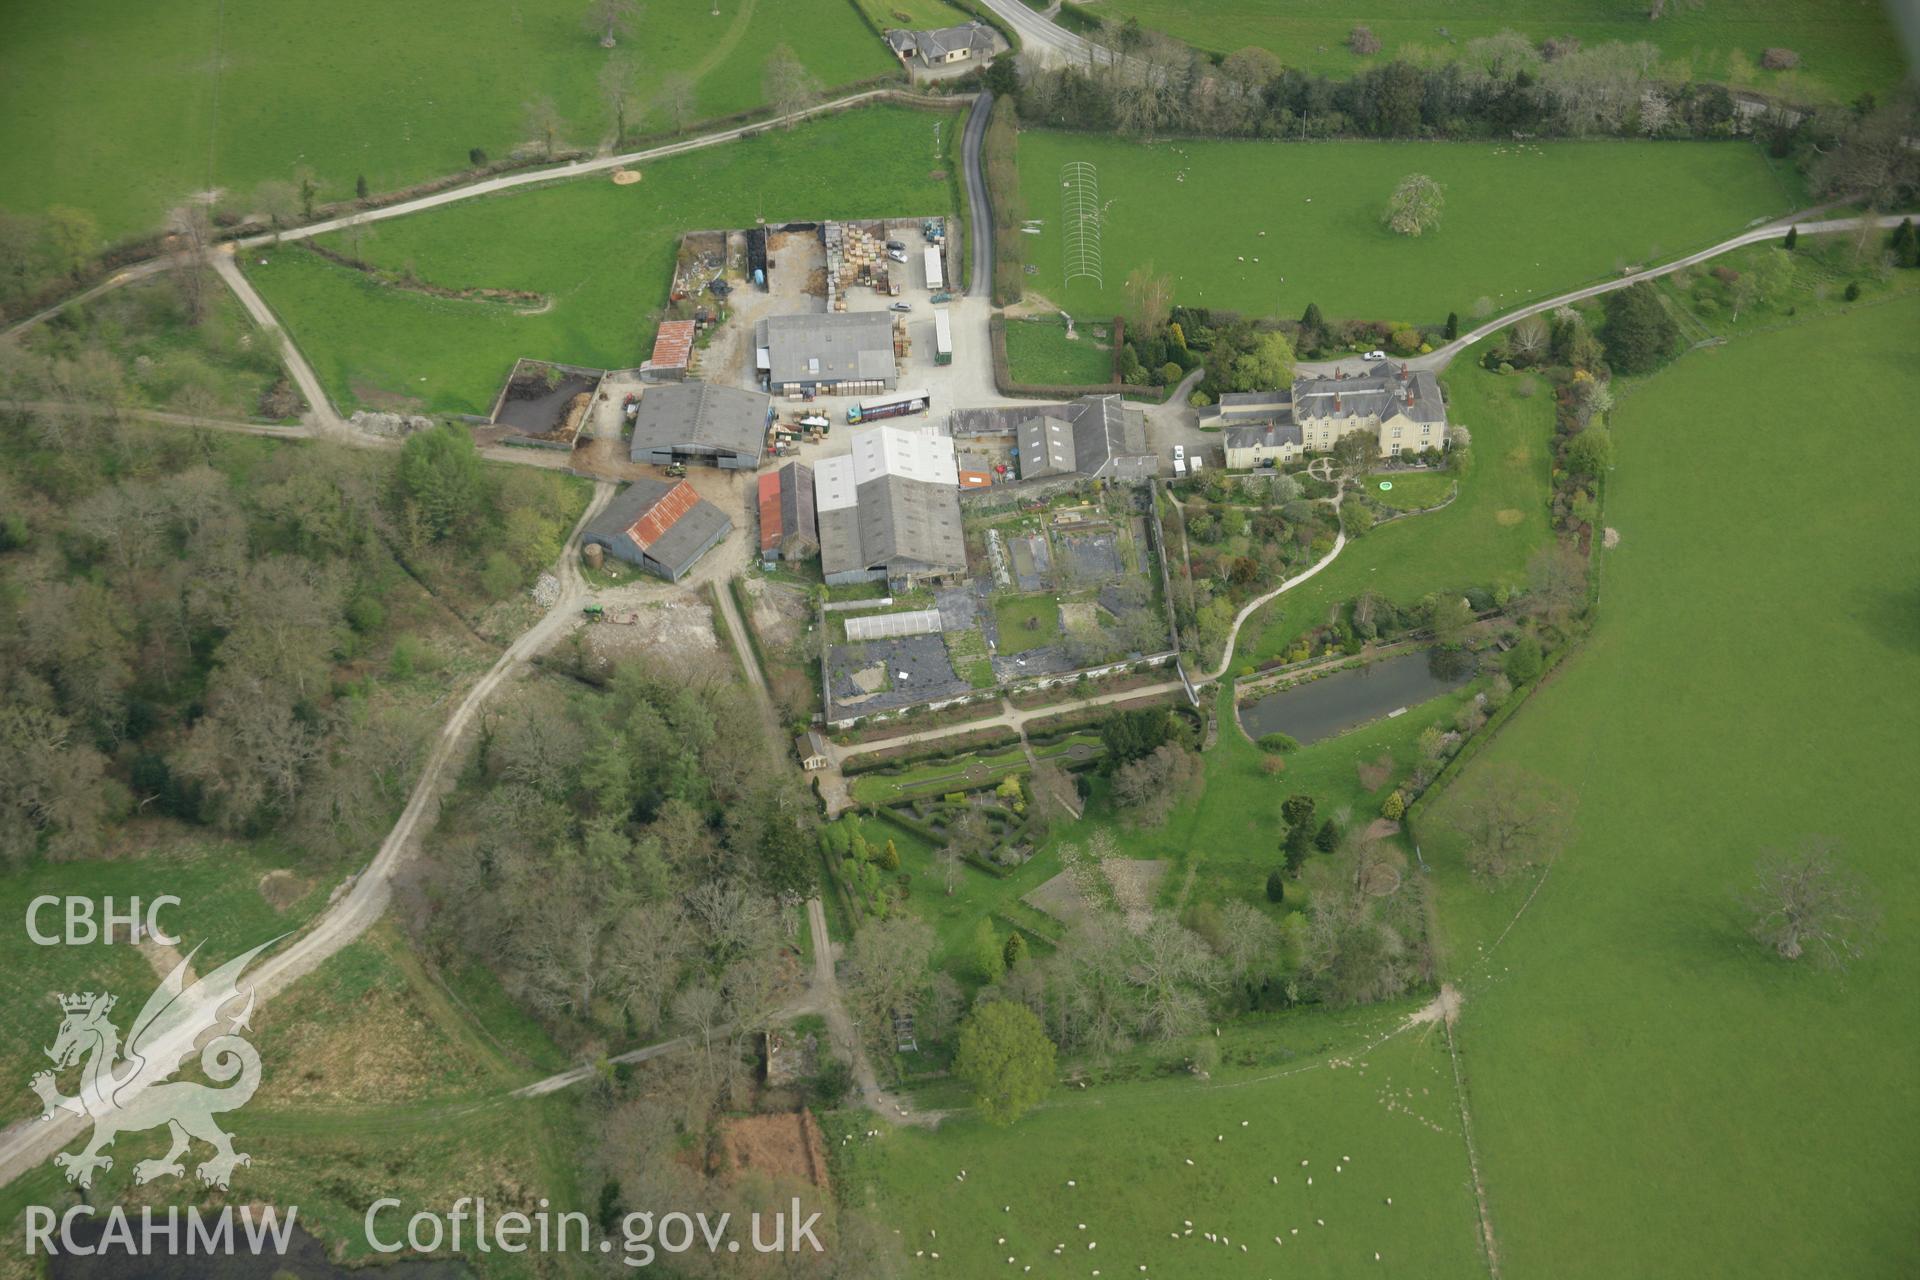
[
  {"x": 1374, "y": 355},
  {"x": 1179, "y": 452},
  {"x": 900, "y": 306},
  {"x": 898, "y": 255},
  {"x": 901, "y": 245}
]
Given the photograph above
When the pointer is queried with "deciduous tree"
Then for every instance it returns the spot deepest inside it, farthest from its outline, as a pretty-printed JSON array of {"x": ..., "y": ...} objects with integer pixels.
[
  {"x": 1006, "y": 1058},
  {"x": 1805, "y": 904},
  {"x": 1416, "y": 205}
]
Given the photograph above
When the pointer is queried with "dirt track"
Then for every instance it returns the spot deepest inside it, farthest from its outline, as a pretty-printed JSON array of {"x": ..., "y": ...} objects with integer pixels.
[{"x": 27, "y": 1143}]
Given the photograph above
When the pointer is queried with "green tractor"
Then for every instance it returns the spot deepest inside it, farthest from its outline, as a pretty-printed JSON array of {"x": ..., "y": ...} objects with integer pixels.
[{"x": 594, "y": 612}]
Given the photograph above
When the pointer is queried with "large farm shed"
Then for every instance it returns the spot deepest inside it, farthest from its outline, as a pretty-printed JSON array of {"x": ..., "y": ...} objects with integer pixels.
[
  {"x": 701, "y": 422},
  {"x": 663, "y": 526},
  {"x": 837, "y": 349},
  {"x": 890, "y": 509}
]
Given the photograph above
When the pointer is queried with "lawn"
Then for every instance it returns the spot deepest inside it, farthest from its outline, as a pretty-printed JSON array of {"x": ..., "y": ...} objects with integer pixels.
[
  {"x": 1223, "y": 843},
  {"x": 1482, "y": 538},
  {"x": 1845, "y": 46},
  {"x": 1039, "y": 353},
  {"x": 918, "y": 15},
  {"x": 955, "y": 916},
  {"x": 1754, "y": 677},
  {"x": 396, "y": 93},
  {"x": 1231, "y": 1155},
  {"x": 606, "y": 273},
  {"x": 1026, "y": 622},
  {"x": 1521, "y": 222},
  {"x": 1412, "y": 490}
]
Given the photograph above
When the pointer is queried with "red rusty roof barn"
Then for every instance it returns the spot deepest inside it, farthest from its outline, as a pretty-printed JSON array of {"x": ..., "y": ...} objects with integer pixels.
[{"x": 672, "y": 347}]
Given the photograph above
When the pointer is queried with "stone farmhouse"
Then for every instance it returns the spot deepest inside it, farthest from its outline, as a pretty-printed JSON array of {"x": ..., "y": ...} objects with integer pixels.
[{"x": 1399, "y": 406}]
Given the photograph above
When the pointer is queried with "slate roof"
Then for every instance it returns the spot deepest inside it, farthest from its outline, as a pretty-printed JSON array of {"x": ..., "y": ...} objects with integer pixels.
[
  {"x": 701, "y": 417},
  {"x": 666, "y": 521},
  {"x": 1092, "y": 436},
  {"x": 1382, "y": 391},
  {"x": 1270, "y": 435},
  {"x": 840, "y": 346},
  {"x": 939, "y": 42},
  {"x": 1249, "y": 406}
]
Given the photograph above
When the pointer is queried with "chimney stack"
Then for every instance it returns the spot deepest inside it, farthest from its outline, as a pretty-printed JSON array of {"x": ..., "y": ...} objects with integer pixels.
[{"x": 1336, "y": 403}]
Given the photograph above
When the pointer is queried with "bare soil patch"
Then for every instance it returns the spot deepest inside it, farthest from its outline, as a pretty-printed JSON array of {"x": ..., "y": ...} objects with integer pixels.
[
  {"x": 667, "y": 623},
  {"x": 1374, "y": 776},
  {"x": 1611, "y": 538},
  {"x": 786, "y": 1146},
  {"x": 1507, "y": 517},
  {"x": 1381, "y": 828},
  {"x": 282, "y": 889},
  {"x": 779, "y": 612},
  {"x": 1058, "y": 898}
]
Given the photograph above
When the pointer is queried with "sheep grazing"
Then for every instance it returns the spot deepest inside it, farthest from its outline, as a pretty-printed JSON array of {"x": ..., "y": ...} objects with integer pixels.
[{"x": 1189, "y": 1161}]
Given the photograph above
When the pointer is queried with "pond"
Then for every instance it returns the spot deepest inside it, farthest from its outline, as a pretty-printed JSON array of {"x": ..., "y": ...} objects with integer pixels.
[{"x": 1331, "y": 705}]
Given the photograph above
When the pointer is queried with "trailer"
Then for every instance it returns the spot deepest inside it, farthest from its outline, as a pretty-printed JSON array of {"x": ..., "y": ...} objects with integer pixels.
[
  {"x": 936, "y": 279},
  {"x": 942, "y": 338},
  {"x": 894, "y": 404}
]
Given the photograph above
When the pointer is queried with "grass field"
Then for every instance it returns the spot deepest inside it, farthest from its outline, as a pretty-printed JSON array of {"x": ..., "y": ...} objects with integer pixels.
[
  {"x": 221, "y": 910},
  {"x": 1845, "y": 46},
  {"x": 1039, "y": 353},
  {"x": 1382, "y": 1113},
  {"x": 1482, "y": 538},
  {"x": 1520, "y": 222},
  {"x": 377, "y": 1081},
  {"x": 1712, "y": 1110},
  {"x": 606, "y": 275},
  {"x": 201, "y": 95},
  {"x": 1411, "y": 489}
]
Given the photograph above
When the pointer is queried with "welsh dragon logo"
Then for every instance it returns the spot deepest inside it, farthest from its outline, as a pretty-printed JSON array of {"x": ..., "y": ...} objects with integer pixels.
[{"x": 126, "y": 1090}]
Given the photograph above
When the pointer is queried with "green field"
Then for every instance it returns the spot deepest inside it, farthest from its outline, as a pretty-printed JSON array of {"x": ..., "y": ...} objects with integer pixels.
[
  {"x": 397, "y": 93},
  {"x": 221, "y": 910},
  {"x": 607, "y": 274},
  {"x": 1380, "y": 1112},
  {"x": 1482, "y": 538},
  {"x": 1411, "y": 489},
  {"x": 1038, "y": 353},
  {"x": 1520, "y": 223},
  {"x": 1845, "y": 46},
  {"x": 1751, "y": 680}
]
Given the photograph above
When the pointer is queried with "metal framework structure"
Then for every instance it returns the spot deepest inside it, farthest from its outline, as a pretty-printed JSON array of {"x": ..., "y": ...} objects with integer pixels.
[
  {"x": 1080, "y": 206},
  {"x": 886, "y": 626}
]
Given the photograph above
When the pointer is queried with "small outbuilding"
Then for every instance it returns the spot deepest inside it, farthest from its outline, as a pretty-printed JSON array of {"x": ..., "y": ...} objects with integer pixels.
[
  {"x": 672, "y": 352},
  {"x": 662, "y": 526},
  {"x": 811, "y": 747}
]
